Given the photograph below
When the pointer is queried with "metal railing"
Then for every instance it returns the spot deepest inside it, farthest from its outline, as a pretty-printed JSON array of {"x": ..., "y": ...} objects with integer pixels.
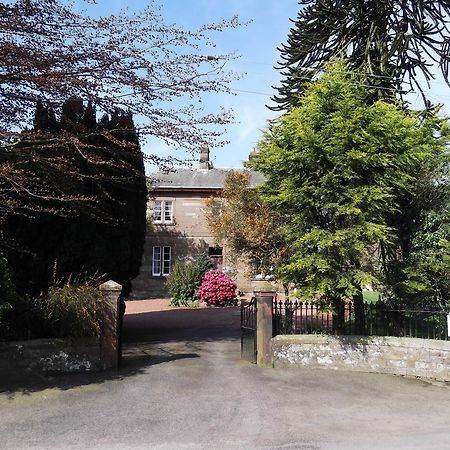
[{"x": 379, "y": 319}]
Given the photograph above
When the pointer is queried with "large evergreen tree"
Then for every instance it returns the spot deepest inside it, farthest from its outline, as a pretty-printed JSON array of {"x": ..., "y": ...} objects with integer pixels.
[
  {"x": 339, "y": 171},
  {"x": 391, "y": 41},
  {"x": 86, "y": 211}
]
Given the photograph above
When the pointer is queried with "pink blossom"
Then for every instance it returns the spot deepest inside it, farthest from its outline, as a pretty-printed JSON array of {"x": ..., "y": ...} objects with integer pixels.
[{"x": 216, "y": 288}]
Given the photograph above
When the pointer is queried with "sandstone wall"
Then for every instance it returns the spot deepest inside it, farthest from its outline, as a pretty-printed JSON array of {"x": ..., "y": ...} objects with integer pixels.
[{"x": 382, "y": 354}]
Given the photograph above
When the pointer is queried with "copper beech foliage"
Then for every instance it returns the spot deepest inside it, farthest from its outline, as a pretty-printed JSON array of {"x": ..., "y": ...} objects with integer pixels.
[
  {"x": 239, "y": 218},
  {"x": 136, "y": 62}
]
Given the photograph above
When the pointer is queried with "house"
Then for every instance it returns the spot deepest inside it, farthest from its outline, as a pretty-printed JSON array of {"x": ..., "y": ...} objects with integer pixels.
[{"x": 177, "y": 227}]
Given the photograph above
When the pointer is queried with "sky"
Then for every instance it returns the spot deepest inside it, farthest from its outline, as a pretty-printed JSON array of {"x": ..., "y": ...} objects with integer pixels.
[{"x": 256, "y": 43}]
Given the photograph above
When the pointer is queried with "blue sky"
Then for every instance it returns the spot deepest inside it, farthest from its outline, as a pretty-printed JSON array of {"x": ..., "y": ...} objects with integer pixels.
[{"x": 256, "y": 44}]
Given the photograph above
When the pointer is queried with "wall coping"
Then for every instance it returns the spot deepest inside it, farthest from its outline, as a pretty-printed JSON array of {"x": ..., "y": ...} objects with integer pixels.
[
  {"x": 49, "y": 343},
  {"x": 431, "y": 344}
]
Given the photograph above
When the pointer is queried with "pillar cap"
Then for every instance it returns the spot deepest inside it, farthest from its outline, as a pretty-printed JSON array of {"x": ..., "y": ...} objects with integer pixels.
[
  {"x": 263, "y": 287},
  {"x": 110, "y": 285}
]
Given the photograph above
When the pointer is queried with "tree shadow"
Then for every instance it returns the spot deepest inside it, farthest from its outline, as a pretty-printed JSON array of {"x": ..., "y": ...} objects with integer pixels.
[
  {"x": 149, "y": 339},
  {"x": 26, "y": 382},
  {"x": 182, "y": 325}
]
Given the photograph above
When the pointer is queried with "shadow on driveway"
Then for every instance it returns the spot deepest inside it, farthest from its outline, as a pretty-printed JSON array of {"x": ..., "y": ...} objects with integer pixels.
[
  {"x": 145, "y": 336},
  {"x": 179, "y": 325}
]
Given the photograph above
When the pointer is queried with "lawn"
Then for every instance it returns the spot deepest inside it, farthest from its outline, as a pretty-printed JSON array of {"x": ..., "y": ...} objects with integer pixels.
[{"x": 370, "y": 297}]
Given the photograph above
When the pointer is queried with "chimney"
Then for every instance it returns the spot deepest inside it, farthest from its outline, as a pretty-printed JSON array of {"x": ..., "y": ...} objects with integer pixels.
[
  {"x": 205, "y": 163},
  {"x": 253, "y": 154}
]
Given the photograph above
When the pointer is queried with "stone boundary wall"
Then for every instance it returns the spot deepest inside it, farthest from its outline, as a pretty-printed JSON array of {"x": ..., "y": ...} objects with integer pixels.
[
  {"x": 52, "y": 355},
  {"x": 412, "y": 357}
]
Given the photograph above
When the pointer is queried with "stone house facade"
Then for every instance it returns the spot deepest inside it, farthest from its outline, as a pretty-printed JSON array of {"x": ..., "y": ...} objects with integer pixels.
[{"x": 177, "y": 227}]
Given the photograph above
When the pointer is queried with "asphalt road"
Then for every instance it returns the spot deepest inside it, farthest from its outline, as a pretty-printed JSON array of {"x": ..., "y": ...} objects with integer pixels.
[{"x": 183, "y": 386}]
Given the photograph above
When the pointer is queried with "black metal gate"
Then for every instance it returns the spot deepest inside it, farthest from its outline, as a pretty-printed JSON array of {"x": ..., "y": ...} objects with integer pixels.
[{"x": 248, "y": 331}]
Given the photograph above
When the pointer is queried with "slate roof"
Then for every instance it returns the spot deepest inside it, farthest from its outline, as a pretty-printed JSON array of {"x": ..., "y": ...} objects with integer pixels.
[{"x": 197, "y": 179}]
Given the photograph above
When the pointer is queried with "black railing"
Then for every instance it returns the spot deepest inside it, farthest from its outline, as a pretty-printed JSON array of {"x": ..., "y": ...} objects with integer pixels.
[{"x": 379, "y": 319}]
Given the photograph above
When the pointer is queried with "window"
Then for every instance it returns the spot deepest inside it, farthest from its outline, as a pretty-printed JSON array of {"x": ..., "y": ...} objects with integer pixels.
[
  {"x": 168, "y": 211},
  {"x": 167, "y": 253},
  {"x": 163, "y": 211},
  {"x": 157, "y": 215},
  {"x": 162, "y": 259}
]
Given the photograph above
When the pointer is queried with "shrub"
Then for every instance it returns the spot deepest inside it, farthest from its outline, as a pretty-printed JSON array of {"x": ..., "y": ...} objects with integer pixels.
[
  {"x": 217, "y": 289},
  {"x": 185, "y": 278},
  {"x": 75, "y": 309},
  {"x": 182, "y": 283},
  {"x": 203, "y": 264}
]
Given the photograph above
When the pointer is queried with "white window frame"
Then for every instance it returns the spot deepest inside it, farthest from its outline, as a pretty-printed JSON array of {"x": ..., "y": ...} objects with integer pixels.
[
  {"x": 158, "y": 209},
  {"x": 156, "y": 262},
  {"x": 166, "y": 260},
  {"x": 161, "y": 261},
  {"x": 168, "y": 211},
  {"x": 164, "y": 210}
]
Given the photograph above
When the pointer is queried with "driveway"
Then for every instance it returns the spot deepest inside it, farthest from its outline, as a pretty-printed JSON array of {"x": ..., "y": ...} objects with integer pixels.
[{"x": 183, "y": 386}]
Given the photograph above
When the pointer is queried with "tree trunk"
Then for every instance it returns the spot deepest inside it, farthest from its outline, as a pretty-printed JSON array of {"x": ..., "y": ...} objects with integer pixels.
[
  {"x": 338, "y": 316},
  {"x": 360, "y": 317}
]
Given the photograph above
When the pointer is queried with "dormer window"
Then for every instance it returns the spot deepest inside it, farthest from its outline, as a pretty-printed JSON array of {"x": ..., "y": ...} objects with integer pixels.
[{"x": 163, "y": 211}]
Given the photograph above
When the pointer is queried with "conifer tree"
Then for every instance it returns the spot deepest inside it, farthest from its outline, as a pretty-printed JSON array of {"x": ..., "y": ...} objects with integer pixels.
[
  {"x": 393, "y": 42},
  {"x": 88, "y": 212},
  {"x": 339, "y": 172}
]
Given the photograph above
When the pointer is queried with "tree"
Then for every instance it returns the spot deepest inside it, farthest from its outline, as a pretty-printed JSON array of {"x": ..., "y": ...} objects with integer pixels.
[
  {"x": 134, "y": 62},
  {"x": 250, "y": 229},
  {"x": 338, "y": 171},
  {"x": 72, "y": 173},
  {"x": 391, "y": 41},
  {"x": 80, "y": 204},
  {"x": 427, "y": 267}
]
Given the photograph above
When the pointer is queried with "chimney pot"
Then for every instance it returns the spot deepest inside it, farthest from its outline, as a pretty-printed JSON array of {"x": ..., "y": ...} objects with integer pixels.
[{"x": 205, "y": 163}]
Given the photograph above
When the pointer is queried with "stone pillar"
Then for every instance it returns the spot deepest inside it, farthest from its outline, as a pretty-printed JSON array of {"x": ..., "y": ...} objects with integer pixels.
[
  {"x": 110, "y": 333},
  {"x": 264, "y": 293}
]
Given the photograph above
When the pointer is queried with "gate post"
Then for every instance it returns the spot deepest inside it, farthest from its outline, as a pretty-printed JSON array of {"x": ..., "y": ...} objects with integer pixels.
[
  {"x": 264, "y": 294},
  {"x": 110, "y": 333}
]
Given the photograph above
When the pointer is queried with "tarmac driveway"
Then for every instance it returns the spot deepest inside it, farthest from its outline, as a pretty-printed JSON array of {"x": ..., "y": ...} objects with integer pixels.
[{"x": 183, "y": 386}]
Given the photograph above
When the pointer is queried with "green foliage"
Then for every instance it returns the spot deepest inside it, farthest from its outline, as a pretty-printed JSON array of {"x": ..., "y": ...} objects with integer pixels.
[
  {"x": 203, "y": 264},
  {"x": 340, "y": 171},
  {"x": 391, "y": 41},
  {"x": 75, "y": 309},
  {"x": 185, "y": 278},
  {"x": 427, "y": 268}
]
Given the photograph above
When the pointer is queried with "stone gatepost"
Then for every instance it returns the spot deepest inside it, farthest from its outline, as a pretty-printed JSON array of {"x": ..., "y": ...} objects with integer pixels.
[
  {"x": 264, "y": 293},
  {"x": 110, "y": 333}
]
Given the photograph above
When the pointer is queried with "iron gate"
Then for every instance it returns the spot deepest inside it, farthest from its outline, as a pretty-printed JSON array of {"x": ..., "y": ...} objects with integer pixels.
[{"x": 248, "y": 331}]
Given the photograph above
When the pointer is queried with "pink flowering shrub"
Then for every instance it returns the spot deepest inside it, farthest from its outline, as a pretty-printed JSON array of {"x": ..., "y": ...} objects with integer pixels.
[{"x": 217, "y": 289}]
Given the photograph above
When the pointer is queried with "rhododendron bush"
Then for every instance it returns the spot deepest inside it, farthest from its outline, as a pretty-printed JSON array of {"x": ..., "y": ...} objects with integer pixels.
[{"x": 217, "y": 289}]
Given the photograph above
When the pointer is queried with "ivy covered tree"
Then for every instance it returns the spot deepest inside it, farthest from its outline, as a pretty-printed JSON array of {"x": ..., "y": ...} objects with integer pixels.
[
  {"x": 391, "y": 42},
  {"x": 80, "y": 203},
  {"x": 339, "y": 172}
]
